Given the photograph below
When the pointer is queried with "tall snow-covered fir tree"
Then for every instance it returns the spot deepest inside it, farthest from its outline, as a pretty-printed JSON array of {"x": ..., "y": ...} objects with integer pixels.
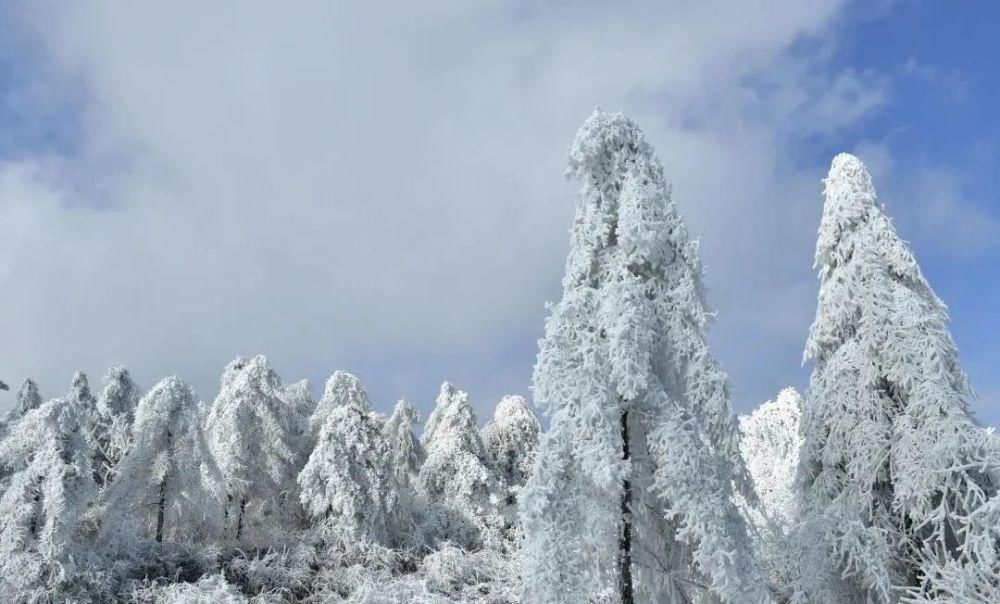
[
  {"x": 456, "y": 475},
  {"x": 900, "y": 483},
  {"x": 630, "y": 499},
  {"x": 511, "y": 438},
  {"x": 46, "y": 497},
  {"x": 252, "y": 432},
  {"x": 116, "y": 406},
  {"x": 347, "y": 485},
  {"x": 406, "y": 454},
  {"x": 168, "y": 487}
]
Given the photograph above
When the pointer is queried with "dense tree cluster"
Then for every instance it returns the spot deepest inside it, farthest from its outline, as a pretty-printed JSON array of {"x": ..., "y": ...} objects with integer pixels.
[{"x": 878, "y": 486}]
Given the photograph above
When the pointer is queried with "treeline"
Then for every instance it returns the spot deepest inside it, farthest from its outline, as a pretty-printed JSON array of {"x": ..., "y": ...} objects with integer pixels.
[{"x": 116, "y": 495}]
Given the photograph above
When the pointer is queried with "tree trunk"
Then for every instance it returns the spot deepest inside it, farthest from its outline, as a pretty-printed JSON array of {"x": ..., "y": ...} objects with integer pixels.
[
  {"x": 625, "y": 538},
  {"x": 160, "y": 506},
  {"x": 239, "y": 517}
]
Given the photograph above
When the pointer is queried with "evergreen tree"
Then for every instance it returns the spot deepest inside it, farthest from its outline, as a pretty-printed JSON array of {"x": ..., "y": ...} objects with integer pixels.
[
  {"x": 116, "y": 407},
  {"x": 347, "y": 485},
  {"x": 28, "y": 397},
  {"x": 406, "y": 454},
  {"x": 900, "y": 483},
  {"x": 42, "y": 509},
  {"x": 341, "y": 389},
  {"x": 456, "y": 475},
  {"x": 252, "y": 434},
  {"x": 511, "y": 439},
  {"x": 770, "y": 445},
  {"x": 630, "y": 498},
  {"x": 169, "y": 487}
]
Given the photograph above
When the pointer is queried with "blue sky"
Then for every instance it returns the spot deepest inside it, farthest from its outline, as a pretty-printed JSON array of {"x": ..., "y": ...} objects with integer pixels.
[{"x": 381, "y": 191}]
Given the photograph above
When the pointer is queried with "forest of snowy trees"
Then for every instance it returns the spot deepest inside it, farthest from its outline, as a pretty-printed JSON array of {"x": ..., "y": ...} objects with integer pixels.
[{"x": 639, "y": 483}]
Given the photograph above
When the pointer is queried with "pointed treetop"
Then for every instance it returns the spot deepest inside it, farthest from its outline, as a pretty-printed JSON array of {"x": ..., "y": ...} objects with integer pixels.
[
  {"x": 344, "y": 388},
  {"x": 28, "y": 397},
  {"x": 79, "y": 390},
  {"x": 120, "y": 394},
  {"x": 453, "y": 417}
]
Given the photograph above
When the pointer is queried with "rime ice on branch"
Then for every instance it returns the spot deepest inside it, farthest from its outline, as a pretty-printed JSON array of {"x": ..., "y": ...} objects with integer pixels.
[
  {"x": 900, "y": 483},
  {"x": 631, "y": 493}
]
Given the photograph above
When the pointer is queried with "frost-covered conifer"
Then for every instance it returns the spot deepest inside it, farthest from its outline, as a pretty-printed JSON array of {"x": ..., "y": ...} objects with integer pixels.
[
  {"x": 511, "y": 439},
  {"x": 630, "y": 498},
  {"x": 341, "y": 389},
  {"x": 770, "y": 446},
  {"x": 116, "y": 407},
  {"x": 406, "y": 454},
  {"x": 120, "y": 395},
  {"x": 456, "y": 475},
  {"x": 252, "y": 434},
  {"x": 28, "y": 397},
  {"x": 79, "y": 392},
  {"x": 347, "y": 485},
  {"x": 168, "y": 487},
  {"x": 900, "y": 483},
  {"x": 42, "y": 508}
]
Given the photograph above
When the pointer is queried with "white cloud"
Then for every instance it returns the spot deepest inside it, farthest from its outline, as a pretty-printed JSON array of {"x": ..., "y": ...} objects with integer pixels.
[{"x": 342, "y": 185}]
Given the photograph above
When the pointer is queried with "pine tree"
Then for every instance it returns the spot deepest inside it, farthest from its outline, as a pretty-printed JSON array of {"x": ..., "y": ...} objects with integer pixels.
[
  {"x": 116, "y": 407},
  {"x": 252, "y": 434},
  {"x": 511, "y": 439},
  {"x": 630, "y": 498},
  {"x": 900, "y": 483},
  {"x": 456, "y": 475},
  {"x": 406, "y": 454},
  {"x": 347, "y": 485},
  {"x": 168, "y": 487}
]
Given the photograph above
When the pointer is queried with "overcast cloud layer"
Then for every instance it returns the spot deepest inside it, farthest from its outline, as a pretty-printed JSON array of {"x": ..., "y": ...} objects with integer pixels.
[{"x": 379, "y": 188}]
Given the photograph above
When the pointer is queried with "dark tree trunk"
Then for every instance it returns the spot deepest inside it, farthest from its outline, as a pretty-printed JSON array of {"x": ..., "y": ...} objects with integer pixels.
[
  {"x": 161, "y": 504},
  {"x": 239, "y": 518},
  {"x": 625, "y": 538}
]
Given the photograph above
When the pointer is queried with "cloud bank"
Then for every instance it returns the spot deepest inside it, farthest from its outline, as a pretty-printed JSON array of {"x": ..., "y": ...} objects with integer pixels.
[{"x": 377, "y": 186}]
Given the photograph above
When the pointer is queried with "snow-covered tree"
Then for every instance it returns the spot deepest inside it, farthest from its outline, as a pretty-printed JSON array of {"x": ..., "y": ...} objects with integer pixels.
[
  {"x": 43, "y": 506},
  {"x": 630, "y": 497},
  {"x": 120, "y": 395},
  {"x": 900, "y": 483},
  {"x": 770, "y": 446},
  {"x": 168, "y": 487},
  {"x": 511, "y": 439},
  {"x": 79, "y": 393},
  {"x": 341, "y": 389},
  {"x": 252, "y": 434},
  {"x": 456, "y": 475},
  {"x": 406, "y": 454},
  {"x": 28, "y": 397},
  {"x": 3, "y": 386},
  {"x": 116, "y": 407},
  {"x": 347, "y": 484}
]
